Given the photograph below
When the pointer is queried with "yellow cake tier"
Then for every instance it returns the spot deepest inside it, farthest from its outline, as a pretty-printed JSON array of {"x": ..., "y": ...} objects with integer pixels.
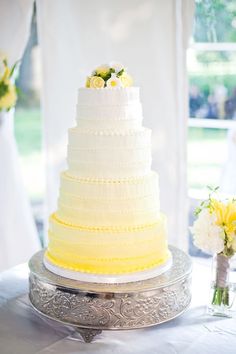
[
  {"x": 109, "y": 203},
  {"x": 107, "y": 250}
]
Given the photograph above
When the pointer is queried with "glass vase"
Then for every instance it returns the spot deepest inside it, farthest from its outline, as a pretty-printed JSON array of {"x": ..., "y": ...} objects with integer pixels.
[{"x": 223, "y": 286}]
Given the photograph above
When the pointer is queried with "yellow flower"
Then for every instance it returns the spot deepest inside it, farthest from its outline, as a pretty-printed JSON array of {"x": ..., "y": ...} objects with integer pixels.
[
  {"x": 126, "y": 80},
  {"x": 87, "y": 84},
  {"x": 9, "y": 99},
  {"x": 97, "y": 82},
  {"x": 226, "y": 215},
  {"x": 102, "y": 70}
]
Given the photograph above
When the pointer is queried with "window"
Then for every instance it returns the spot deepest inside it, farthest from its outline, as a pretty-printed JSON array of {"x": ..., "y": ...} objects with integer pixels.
[{"x": 211, "y": 61}]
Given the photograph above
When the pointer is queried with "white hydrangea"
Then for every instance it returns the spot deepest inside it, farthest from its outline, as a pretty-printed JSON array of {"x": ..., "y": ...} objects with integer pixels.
[{"x": 207, "y": 236}]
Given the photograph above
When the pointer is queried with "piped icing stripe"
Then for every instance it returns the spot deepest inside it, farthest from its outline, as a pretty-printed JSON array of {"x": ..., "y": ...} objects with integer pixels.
[
  {"x": 117, "y": 242},
  {"x": 59, "y": 231},
  {"x": 132, "y": 180},
  {"x": 108, "y": 189},
  {"x": 54, "y": 217},
  {"x": 108, "y": 133},
  {"x": 111, "y": 259},
  {"x": 105, "y": 269}
]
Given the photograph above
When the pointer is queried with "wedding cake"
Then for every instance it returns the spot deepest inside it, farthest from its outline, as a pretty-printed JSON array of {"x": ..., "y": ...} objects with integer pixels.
[{"x": 108, "y": 225}]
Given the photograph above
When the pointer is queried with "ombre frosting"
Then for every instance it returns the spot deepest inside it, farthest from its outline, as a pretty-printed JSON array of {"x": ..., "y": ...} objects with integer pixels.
[{"x": 108, "y": 219}]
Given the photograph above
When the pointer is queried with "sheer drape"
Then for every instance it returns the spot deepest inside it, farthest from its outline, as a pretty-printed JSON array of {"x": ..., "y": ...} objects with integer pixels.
[
  {"x": 150, "y": 38},
  {"x": 18, "y": 236}
]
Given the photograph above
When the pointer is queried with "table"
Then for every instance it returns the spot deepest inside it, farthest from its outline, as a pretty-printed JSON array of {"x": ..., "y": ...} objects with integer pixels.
[{"x": 23, "y": 331}]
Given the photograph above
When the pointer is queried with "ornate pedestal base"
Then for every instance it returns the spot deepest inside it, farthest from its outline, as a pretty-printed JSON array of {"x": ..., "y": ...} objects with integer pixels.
[{"x": 93, "y": 307}]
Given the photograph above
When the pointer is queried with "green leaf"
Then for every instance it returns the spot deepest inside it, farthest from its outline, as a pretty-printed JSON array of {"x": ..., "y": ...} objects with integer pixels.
[
  {"x": 197, "y": 211},
  {"x": 213, "y": 189},
  {"x": 120, "y": 72},
  {"x": 3, "y": 89},
  {"x": 14, "y": 67},
  {"x": 18, "y": 91},
  {"x": 107, "y": 76}
]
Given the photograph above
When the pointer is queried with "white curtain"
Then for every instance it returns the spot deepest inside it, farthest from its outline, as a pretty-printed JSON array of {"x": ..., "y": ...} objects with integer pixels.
[
  {"x": 150, "y": 38},
  {"x": 18, "y": 236}
]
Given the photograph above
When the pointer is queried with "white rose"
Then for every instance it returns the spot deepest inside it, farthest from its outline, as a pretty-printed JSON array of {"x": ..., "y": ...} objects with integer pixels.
[
  {"x": 207, "y": 236},
  {"x": 116, "y": 66}
]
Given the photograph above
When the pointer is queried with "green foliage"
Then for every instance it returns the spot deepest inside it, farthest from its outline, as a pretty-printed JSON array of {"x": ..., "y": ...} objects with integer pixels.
[
  {"x": 206, "y": 84},
  {"x": 206, "y": 203},
  {"x": 206, "y": 135},
  {"x": 120, "y": 73},
  {"x": 107, "y": 75},
  {"x": 3, "y": 89},
  {"x": 215, "y": 21},
  {"x": 211, "y": 57},
  {"x": 14, "y": 67},
  {"x": 213, "y": 189},
  {"x": 28, "y": 130}
]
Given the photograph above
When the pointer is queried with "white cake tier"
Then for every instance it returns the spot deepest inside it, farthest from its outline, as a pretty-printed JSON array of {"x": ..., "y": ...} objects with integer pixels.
[
  {"x": 109, "y": 203},
  {"x": 108, "y": 96},
  {"x": 113, "y": 124},
  {"x": 109, "y": 156},
  {"x": 86, "y": 139},
  {"x": 107, "y": 190},
  {"x": 116, "y": 109},
  {"x": 106, "y": 154}
]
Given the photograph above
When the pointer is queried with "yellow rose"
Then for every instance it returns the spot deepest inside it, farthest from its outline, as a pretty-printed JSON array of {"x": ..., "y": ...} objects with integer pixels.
[
  {"x": 102, "y": 70},
  {"x": 9, "y": 99},
  {"x": 87, "y": 84},
  {"x": 126, "y": 80},
  {"x": 96, "y": 82}
]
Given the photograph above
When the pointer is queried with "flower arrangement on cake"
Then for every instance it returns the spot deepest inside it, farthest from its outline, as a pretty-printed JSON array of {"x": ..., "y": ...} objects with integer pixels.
[
  {"x": 214, "y": 232},
  {"x": 8, "y": 91},
  {"x": 111, "y": 75}
]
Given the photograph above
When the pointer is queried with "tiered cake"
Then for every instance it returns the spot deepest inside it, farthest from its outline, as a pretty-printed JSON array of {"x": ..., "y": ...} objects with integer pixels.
[{"x": 108, "y": 221}]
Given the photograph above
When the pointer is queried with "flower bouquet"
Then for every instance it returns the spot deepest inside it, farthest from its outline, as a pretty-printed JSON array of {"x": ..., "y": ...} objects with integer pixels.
[
  {"x": 111, "y": 75},
  {"x": 8, "y": 91},
  {"x": 214, "y": 232}
]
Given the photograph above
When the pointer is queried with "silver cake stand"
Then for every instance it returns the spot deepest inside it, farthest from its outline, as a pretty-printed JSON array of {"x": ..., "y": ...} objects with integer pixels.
[{"x": 93, "y": 307}]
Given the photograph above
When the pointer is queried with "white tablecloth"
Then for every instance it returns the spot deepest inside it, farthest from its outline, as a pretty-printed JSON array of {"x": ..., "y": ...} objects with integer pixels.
[{"x": 22, "y": 331}]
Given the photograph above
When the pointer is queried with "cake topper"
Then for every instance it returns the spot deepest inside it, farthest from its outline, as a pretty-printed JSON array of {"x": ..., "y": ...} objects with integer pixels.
[{"x": 112, "y": 75}]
